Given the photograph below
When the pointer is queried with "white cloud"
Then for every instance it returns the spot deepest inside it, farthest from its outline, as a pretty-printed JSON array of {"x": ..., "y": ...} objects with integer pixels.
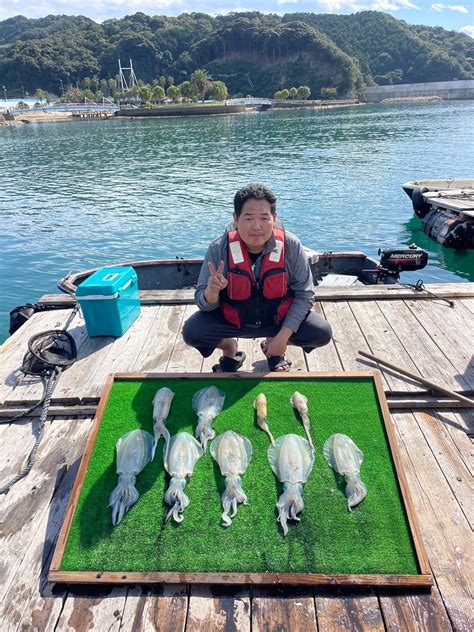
[
  {"x": 458, "y": 7},
  {"x": 468, "y": 30},
  {"x": 438, "y": 6},
  {"x": 91, "y": 8},
  {"x": 282, "y": 2},
  {"x": 335, "y": 6}
]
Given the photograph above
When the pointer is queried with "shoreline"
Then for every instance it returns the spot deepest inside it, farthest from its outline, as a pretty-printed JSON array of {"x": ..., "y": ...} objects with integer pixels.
[{"x": 36, "y": 117}]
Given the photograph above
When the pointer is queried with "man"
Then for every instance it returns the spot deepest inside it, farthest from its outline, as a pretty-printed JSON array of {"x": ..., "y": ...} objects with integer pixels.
[{"x": 255, "y": 282}]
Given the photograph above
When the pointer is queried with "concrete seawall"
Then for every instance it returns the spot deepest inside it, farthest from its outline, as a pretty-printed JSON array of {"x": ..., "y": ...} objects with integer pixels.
[
  {"x": 192, "y": 110},
  {"x": 463, "y": 89}
]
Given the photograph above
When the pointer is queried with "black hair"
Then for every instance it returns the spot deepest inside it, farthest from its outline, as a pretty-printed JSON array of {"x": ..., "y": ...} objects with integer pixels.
[{"x": 257, "y": 192}]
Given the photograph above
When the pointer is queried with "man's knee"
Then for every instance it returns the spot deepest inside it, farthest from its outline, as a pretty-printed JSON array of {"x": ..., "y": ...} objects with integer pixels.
[
  {"x": 314, "y": 332},
  {"x": 191, "y": 334},
  {"x": 326, "y": 334}
]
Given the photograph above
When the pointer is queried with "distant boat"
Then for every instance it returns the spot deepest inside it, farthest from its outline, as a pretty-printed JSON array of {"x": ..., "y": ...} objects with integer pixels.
[{"x": 446, "y": 209}]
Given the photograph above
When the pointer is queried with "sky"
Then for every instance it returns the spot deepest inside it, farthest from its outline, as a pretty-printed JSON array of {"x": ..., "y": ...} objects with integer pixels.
[{"x": 449, "y": 14}]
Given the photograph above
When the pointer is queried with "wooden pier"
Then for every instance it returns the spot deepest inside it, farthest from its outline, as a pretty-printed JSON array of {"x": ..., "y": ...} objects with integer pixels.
[{"x": 434, "y": 434}]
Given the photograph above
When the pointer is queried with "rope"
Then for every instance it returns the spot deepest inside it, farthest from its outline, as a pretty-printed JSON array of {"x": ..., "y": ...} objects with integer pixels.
[
  {"x": 45, "y": 400},
  {"x": 49, "y": 353}
]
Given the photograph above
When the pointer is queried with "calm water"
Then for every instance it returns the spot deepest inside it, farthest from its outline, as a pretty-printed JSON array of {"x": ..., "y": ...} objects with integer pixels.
[{"x": 80, "y": 194}]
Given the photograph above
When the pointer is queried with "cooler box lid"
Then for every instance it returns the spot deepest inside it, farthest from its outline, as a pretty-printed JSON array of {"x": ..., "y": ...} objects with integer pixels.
[{"x": 107, "y": 282}]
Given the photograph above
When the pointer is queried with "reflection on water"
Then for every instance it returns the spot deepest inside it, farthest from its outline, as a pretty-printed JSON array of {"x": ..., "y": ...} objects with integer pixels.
[
  {"x": 458, "y": 262},
  {"x": 85, "y": 193}
]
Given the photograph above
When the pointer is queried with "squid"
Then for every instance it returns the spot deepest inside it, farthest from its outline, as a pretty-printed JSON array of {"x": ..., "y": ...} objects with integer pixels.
[
  {"x": 233, "y": 453},
  {"x": 161, "y": 408},
  {"x": 260, "y": 405},
  {"x": 179, "y": 457},
  {"x": 207, "y": 404},
  {"x": 344, "y": 456},
  {"x": 300, "y": 402},
  {"x": 291, "y": 459},
  {"x": 133, "y": 454}
]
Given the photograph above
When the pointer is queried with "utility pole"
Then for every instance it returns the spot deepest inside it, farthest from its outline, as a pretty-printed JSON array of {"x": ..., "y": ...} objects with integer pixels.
[
  {"x": 4, "y": 93},
  {"x": 62, "y": 87}
]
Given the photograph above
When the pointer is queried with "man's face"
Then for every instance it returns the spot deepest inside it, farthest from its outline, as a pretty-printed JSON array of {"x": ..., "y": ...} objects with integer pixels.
[{"x": 255, "y": 224}]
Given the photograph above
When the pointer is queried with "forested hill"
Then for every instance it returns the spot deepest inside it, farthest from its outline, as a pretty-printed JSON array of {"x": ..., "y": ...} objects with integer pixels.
[{"x": 251, "y": 52}]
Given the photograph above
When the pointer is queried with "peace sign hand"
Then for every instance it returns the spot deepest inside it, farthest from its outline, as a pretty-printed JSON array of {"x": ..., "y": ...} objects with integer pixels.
[{"x": 216, "y": 282}]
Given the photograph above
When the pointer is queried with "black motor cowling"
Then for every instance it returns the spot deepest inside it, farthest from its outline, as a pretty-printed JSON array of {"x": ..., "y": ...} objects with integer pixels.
[{"x": 396, "y": 260}]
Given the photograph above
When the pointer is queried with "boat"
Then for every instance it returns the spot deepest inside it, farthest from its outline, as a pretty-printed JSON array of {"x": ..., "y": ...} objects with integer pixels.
[
  {"x": 439, "y": 184},
  {"x": 446, "y": 209},
  {"x": 328, "y": 269}
]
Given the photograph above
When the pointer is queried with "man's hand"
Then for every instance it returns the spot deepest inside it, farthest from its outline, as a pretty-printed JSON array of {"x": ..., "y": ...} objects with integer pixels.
[
  {"x": 277, "y": 346},
  {"x": 215, "y": 283}
]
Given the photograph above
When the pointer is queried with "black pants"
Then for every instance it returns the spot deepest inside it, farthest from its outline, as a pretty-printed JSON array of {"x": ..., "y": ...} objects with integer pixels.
[{"x": 205, "y": 330}]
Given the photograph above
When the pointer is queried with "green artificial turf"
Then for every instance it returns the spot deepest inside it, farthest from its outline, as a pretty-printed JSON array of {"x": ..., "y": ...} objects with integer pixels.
[{"x": 374, "y": 538}]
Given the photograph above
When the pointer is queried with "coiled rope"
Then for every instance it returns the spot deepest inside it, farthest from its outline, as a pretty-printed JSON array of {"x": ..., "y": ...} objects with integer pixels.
[{"x": 49, "y": 354}]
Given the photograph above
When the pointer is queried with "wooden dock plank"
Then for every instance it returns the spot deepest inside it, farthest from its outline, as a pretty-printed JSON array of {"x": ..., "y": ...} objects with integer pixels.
[
  {"x": 184, "y": 358},
  {"x": 468, "y": 303},
  {"x": 218, "y": 608},
  {"x": 325, "y": 358},
  {"x": 456, "y": 425},
  {"x": 423, "y": 351},
  {"x": 347, "y": 335},
  {"x": 414, "y": 613},
  {"x": 358, "y": 612},
  {"x": 92, "y": 608},
  {"x": 156, "y": 608},
  {"x": 452, "y": 329},
  {"x": 283, "y": 609},
  {"x": 32, "y": 512},
  {"x": 16, "y": 442},
  {"x": 444, "y": 528},
  {"x": 446, "y": 453},
  {"x": 380, "y": 337}
]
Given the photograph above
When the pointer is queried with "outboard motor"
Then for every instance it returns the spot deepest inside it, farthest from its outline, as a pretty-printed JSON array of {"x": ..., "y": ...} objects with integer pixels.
[{"x": 396, "y": 260}]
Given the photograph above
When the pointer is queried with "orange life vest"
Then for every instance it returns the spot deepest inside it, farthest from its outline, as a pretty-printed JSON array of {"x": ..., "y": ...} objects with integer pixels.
[{"x": 246, "y": 301}]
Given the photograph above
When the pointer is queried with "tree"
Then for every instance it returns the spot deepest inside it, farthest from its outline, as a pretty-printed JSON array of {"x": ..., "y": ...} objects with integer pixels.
[
  {"x": 285, "y": 94},
  {"x": 119, "y": 96},
  {"x": 39, "y": 94},
  {"x": 158, "y": 93},
  {"x": 200, "y": 82},
  {"x": 185, "y": 90},
  {"x": 303, "y": 92},
  {"x": 145, "y": 94},
  {"x": 329, "y": 93},
  {"x": 173, "y": 93},
  {"x": 219, "y": 90},
  {"x": 293, "y": 92},
  {"x": 21, "y": 105}
]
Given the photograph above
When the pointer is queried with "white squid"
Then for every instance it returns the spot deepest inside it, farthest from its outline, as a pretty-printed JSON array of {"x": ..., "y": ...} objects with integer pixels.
[
  {"x": 180, "y": 457},
  {"x": 344, "y": 456},
  {"x": 291, "y": 459},
  {"x": 133, "y": 453},
  {"x": 207, "y": 404},
  {"x": 161, "y": 408},
  {"x": 233, "y": 453}
]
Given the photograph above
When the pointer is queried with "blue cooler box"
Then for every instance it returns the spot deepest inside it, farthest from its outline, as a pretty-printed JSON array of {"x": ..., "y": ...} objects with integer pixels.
[{"x": 109, "y": 301}]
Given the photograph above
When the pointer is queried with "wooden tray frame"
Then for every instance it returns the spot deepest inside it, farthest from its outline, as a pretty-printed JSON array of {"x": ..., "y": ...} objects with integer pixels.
[{"x": 423, "y": 580}]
